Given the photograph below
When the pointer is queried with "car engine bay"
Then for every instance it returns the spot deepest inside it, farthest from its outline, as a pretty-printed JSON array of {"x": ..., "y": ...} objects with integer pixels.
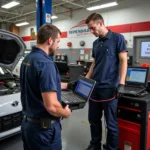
[{"x": 9, "y": 84}]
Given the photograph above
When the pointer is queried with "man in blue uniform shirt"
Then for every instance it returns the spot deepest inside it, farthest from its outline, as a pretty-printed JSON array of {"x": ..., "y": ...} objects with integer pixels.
[
  {"x": 41, "y": 94},
  {"x": 109, "y": 70}
]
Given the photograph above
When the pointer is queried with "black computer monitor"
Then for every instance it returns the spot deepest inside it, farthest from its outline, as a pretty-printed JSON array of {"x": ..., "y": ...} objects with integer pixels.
[
  {"x": 75, "y": 71},
  {"x": 137, "y": 76},
  {"x": 145, "y": 49},
  {"x": 62, "y": 67}
]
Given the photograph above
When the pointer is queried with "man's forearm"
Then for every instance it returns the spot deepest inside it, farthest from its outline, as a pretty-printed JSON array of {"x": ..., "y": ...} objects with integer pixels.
[
  {"x": 89, "y": 74},
  {"x": 123, "y": 71},
  {"x": 57, "y": 110}
]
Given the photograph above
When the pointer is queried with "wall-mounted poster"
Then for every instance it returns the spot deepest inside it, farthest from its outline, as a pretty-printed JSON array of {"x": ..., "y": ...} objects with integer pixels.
[{"x": 32, "y": 33}]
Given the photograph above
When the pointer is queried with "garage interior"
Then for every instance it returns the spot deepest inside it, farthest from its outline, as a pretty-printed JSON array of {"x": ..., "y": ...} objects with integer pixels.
[{"x": 131, "y": 18}]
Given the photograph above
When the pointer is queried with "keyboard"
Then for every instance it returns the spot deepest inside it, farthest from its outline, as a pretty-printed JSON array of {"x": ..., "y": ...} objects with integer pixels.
[
  {"x": 71, "y": 98},
  {"x": 129, "y": 88},
  {"x": 133, "y": 90}
]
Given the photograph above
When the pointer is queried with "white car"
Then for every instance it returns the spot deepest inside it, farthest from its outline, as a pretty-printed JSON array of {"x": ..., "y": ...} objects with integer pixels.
[{"x": 12, "y": 49}]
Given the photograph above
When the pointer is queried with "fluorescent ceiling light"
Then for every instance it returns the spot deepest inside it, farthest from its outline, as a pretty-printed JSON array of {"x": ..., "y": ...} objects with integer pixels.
[
  {"x": 54, "y": 17},
  {"x": 102, "y": 6},
  {"x": 10, "y": 5},
  {"x": 22, "y": 24}
]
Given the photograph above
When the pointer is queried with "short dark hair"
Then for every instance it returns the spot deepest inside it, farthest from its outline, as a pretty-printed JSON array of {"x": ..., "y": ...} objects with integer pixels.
[
  {"x": 46, "y": 31},
  {"x": 94, "y": 17}
]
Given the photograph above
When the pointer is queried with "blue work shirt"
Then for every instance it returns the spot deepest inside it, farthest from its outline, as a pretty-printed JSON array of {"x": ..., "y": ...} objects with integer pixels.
[
  {"x": 106, "y": 54},
  {"x": 38, "y": 74}
]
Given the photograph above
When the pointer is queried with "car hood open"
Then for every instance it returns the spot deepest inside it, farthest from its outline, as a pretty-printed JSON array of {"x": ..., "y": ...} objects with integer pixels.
[{"x": 12, "y": 49}]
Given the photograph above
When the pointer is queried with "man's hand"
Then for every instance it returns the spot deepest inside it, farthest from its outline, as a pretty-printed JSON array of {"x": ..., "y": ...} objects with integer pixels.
[
  {"x": 120, "y": 91},
  {"x": 68, "y": 111},
  {"x": 87, "y": 76},
  {"x": 72, "y": 84},
  {"x": 64, "y": 86}
]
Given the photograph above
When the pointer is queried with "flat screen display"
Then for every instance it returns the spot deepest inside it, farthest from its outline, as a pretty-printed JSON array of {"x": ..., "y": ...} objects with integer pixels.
[
  {"x": 145, "y": 49},
  {"x": 136, "y": 75},
  {"x": 83, "y": 88}
]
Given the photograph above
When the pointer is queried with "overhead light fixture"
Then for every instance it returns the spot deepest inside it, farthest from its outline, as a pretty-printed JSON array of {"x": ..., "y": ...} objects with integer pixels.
[
  {"x": 10, "y": 4},
  {"x": 102, "y": 6},
  {"x": 21, "y": 24},
  {"x": 54, "y": 17}
]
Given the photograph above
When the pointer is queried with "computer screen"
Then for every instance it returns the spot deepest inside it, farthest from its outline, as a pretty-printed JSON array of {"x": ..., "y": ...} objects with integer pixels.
[
  {"x": 62, "y": 67},
  {"x": 145, "y": 49},
  {"x": 137, "y": 75},
  {"x": 83, "y": 88}
]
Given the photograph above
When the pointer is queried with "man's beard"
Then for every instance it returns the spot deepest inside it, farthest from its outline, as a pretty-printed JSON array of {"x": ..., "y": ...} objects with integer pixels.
[{"x": 51, "y": 52}]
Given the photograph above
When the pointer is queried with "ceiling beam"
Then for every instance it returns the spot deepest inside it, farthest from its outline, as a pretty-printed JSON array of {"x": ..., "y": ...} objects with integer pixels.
[
  {"x": 21, "y": 14},
  {"x": 7, "y": 12},
  {"x": 26, "y": 14},
  {"x": 58, "y": 4},
  {"x": 70, "y": 2},
  {"x": 67, "y": 1},
  {"x": 83, "y": 2},
  {"x": 68, "y": 11},
  {"x": 93, "y": 1}
]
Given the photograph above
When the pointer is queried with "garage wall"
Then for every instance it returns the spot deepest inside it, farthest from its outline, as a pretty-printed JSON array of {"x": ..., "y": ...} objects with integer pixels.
[{"x": 130, "y": 21}]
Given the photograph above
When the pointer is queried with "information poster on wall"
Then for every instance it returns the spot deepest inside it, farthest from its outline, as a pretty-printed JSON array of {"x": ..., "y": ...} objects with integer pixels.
[
  {"x": 48, "y": 18},
  {"x": 86, "y": 56},
  {"x": 145, "y": 49},
  {"x": 32, "y": 33},
  {"x": 81, "y": 57},
  {"x": 73, "y": 52},
  {"x": 82, "y": 52}
]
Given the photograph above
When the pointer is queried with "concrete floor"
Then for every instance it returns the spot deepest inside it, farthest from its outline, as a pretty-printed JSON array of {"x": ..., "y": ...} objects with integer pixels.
[{"x": 75, "y": 133}]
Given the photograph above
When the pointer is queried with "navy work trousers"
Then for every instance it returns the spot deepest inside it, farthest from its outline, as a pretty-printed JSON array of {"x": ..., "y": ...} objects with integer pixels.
[
  {"x": 110, "y": 112},
  {"x": 36, "y": 138}
]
